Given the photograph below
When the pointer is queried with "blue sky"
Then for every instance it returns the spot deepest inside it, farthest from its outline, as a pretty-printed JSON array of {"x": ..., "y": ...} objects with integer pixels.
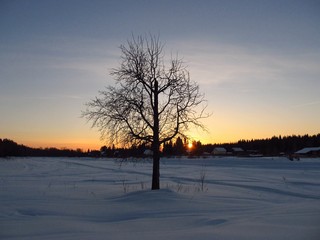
[{"x": 258, "y": 63}]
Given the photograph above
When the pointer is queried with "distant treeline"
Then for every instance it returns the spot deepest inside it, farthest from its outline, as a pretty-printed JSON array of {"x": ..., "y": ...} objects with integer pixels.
[
  {"x": 274, "y": 146},
  {"x": 10, "y": 148}
]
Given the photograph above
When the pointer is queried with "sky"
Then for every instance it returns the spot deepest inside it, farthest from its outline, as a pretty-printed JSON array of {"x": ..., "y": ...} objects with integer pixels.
[{"x": 257, "y": 62}]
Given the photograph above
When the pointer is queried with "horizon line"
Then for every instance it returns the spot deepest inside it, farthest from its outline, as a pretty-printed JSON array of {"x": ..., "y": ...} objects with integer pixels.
[{"x": 216, "y": 143}]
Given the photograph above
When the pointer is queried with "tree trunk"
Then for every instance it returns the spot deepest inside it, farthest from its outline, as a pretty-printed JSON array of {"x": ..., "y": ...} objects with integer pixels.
[
  {"x": 156, "y": 144},
  {"x": 156, "y": 170}
]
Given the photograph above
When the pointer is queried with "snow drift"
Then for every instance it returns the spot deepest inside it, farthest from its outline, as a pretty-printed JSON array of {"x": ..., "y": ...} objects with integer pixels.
[{"x": 205, "y": 198}]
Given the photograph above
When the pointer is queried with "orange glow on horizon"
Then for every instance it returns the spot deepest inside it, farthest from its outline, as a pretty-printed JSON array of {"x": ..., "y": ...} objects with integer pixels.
[
  {"x": 73, "y": 145},
  {"x": 93, "y": 142}
]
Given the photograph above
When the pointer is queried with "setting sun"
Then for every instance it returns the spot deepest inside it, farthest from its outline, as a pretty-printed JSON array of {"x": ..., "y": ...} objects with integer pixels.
[{"x": 189, "y": 145}]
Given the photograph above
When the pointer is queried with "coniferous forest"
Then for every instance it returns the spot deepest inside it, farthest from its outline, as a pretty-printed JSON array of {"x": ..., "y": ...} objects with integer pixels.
[{"x": 274, "y": 146}]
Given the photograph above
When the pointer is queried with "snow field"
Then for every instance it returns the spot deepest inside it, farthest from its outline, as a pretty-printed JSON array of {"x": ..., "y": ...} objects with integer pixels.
[{"x": 205, "y": 198}]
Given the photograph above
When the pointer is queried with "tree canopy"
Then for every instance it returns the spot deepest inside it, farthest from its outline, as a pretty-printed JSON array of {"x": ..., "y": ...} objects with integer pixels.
[{"x": 153, "y": 100}]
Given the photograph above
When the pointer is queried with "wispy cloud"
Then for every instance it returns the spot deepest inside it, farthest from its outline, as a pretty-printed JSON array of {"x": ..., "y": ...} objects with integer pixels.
[
  {"x": 216, "y": 63},
  {"x": 89, "y": 55},
  {"x": 306, "y": 104}
]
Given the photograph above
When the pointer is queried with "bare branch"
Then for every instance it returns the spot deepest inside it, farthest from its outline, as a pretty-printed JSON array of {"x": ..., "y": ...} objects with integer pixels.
[
  {"x": 151, "y": 103},
  {"x": 128, "y": 112}
]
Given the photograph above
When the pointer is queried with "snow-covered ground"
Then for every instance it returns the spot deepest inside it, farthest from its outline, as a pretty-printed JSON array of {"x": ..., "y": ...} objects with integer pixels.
[{"x": 212, "y": 198}]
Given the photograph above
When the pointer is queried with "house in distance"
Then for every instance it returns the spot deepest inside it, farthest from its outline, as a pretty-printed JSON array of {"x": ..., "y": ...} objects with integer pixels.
[{"x": 308, "y": 152}]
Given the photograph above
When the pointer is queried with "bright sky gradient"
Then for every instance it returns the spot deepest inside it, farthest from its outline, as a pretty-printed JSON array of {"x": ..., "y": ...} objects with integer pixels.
[{"x": 258, "y": 62}]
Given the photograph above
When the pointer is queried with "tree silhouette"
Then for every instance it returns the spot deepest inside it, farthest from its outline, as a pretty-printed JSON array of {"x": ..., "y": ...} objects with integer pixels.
[
  {"x": 150, "y": 103},
  {"x": 179, "y": 147}
]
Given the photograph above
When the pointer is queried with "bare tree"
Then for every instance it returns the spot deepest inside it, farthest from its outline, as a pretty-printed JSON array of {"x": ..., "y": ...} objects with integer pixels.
[{"x": 150, "y": 103}]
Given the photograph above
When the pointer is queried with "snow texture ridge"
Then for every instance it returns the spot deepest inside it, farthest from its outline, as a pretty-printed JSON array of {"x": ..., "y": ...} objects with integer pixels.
[{"x": 205, "y": 198}]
